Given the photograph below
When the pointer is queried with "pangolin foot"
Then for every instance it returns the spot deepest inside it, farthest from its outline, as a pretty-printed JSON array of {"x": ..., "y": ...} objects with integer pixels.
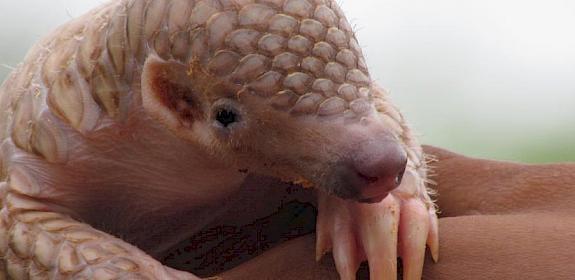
[{"x": 399, "y": 225}]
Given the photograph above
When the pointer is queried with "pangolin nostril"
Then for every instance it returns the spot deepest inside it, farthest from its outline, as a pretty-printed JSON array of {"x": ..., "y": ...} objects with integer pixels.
[{"x": 369, "y": 179}]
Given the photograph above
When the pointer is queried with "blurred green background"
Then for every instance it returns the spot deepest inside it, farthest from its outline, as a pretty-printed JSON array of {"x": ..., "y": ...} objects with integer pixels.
[{"x": 494, "y": 79}]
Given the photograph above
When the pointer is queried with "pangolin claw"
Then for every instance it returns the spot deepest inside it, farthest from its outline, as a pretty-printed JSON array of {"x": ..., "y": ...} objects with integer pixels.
[
  {"x": 379, "y": 236},
  {"x": 345, "y": 247},
  {"x": 433, "y": 238},
  {"x": 413, "y": 232}
]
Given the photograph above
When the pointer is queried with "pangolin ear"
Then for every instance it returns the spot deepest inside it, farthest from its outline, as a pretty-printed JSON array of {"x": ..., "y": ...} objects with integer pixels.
[{"x": 168, "y": 94}]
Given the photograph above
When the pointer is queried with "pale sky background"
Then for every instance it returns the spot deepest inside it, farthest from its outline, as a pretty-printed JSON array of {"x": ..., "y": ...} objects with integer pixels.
[{"x": 490, "y": 78}]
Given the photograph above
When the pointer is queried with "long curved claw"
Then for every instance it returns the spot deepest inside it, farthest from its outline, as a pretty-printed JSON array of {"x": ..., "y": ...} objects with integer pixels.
[
  {"x": 378, "y": 234},
  {"x": 433, "y": 237},
  {"x": 346, "y": 257},
  {"x": 345, "y": 249},
  {"x": 413, "y": 233}
]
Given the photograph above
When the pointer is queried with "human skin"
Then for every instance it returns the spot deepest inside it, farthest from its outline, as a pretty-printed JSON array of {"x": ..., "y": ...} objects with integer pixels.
[
  {"x": 498, "y": 220},
  {"x": 144, "y": 120}
]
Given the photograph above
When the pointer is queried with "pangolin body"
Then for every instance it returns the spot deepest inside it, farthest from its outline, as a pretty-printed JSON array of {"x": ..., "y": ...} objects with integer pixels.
[{"x": 83, "y": 83}]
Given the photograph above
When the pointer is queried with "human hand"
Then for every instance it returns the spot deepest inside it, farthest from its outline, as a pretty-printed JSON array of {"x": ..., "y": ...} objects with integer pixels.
[{"x": 499, "y": 220}]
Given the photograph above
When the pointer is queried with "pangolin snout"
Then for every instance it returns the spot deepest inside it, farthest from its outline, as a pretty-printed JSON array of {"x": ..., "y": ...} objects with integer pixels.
[{"x": 374, "y": 169}]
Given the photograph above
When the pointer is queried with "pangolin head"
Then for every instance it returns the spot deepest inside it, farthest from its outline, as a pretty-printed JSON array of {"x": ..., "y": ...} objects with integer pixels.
[{"x": 280, "y": 88}]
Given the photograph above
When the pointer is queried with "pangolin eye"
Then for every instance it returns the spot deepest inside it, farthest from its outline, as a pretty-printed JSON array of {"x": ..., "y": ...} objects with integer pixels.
[{"x": 226, "y": 117}]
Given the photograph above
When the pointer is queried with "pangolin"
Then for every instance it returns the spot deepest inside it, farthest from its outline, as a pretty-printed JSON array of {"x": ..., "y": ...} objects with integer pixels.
[{"x": 124, "y": 121}]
